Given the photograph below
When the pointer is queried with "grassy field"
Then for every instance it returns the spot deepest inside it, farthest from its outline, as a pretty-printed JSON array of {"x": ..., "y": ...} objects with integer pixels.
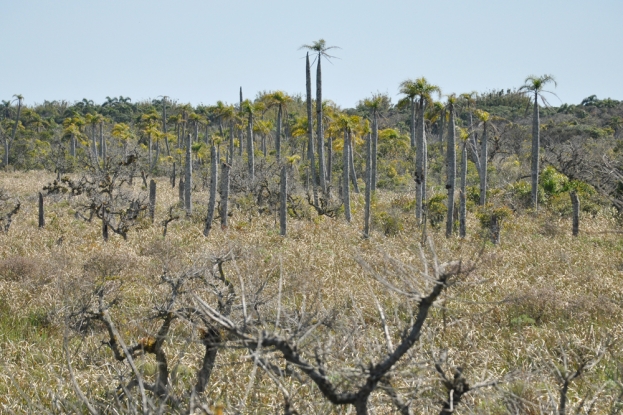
[{"x": 541, "y": 301}]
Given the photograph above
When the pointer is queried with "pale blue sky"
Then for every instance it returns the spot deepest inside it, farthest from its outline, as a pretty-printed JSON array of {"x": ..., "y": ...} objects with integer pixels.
[{"x": 203, "y": 51}]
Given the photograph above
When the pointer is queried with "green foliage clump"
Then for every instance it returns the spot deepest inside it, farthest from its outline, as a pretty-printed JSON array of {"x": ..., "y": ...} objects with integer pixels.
[
  {"x": 436, "y": 210},
  {"x": 389, "y": 223},
  {"x": 487, "y": 212}
]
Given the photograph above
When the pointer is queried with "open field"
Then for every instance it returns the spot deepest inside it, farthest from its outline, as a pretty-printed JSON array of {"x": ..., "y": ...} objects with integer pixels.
[{"x": 538, "y": 300}]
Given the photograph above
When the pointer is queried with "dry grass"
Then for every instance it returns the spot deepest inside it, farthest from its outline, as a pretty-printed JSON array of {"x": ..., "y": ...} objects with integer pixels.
[{"x": 540, "y": 292}]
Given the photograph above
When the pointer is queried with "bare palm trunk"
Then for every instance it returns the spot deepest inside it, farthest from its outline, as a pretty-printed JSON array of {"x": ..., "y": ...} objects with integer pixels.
[
  {"x": 483, "y": 165},
  {"x": 213, "y": 187},
  {"x": 412, "y": 127},
  {"x": 351, "y": 164},
  {"x": 450, "y": 173},
  {"x": 375, "y": 140},
  {"x": 188, "y": 183},
  {"x": 329, "y": 161},
  {"x": 278, "y": 134},
  {"x": 310, "y": 132},
  {"x": 535, "y": 152},
  {"x": 366, "y": 214},
  {"x": 320, "y": 129},
  {"x": 231, "y": 142},
  {"x": 283, "y": 199},
  {"x": 250, "y": 154},
  {"x": 420, "y": 174},
  {"x": 164, "y": 125},
  {"x": 346, "y": 178},
  {"x": 73, "y": 146},
  {"x": 462, "y": 200},
  {"x": 224, "y": 195}
]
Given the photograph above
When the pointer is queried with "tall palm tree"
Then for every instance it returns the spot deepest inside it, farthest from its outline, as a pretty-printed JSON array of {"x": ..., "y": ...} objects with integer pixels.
[
  {"x": 484, "y": 118},
  {"x": 374, "y": 104},
  {"x": 250, "y": 109},
  {"x": 420, "y": 92},
  {"x": 281, "y": 100},
  {"x": 533, "y": 85},
  {"x": 409, "y": 89},
  {"x": 320, "y": 47},
  {"x": 451, "y": 164}
]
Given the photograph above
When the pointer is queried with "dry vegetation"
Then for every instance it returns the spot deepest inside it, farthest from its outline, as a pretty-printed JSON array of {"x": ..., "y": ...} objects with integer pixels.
[{"x": 537, "y": 308}]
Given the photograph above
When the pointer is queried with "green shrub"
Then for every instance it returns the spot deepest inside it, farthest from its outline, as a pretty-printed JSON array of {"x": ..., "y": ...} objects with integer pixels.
[{"x": 389, "y": 223}]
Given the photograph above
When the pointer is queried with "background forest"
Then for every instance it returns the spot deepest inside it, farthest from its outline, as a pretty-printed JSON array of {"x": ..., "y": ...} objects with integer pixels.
[{"x": 454, "y": 253}]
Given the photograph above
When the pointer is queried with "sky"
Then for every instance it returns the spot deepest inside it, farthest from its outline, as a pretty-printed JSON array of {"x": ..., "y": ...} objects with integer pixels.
[{"x": 203, "y": 51}]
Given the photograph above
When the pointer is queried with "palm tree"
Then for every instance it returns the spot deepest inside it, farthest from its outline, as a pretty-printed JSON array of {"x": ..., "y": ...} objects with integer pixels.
[
  {"x": 310, "y": 126},
  {"x": 533, "y": 85},
  {"x": 421, "y": 90},
  {"x": 451, "y": 165},
  {"x": 464, "y": 135},
  {"x": 484, "y": 118},
  {"x": 250, "y": 109},
  {"x": 320, "y": 47},
  {"x": 281, "y": 100},
  {"x": 408, "y": 88},
  {"x": 374, "y": 104}
]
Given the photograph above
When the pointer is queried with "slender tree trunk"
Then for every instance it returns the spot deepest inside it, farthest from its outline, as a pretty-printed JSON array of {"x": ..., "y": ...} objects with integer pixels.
[
  {"x": 150, "y": 149},
  {"x": 442, "y": 124},
  {"x": 420, "y": 155},
  {"x": 278, "y": 134},
  {"x": 483, "y": 165},
  {"x": 94, "y": 143},
  {"x": 375, "y": 140},
  {"x": 346, "y": 178},
  {"x": 351, "y": 164},
  {"x": 450, "y": 173},
  {"x": 41, "y": 214},
  {"x": 310, "y": 132},
  {"x": 101, "y": 125},
  {"x": 329, "y": 161},
  {"x": 250, "y": 155},
  {"x": 180, "y": 188},
  {"x": 224, "y": 195},
  {"x": 213, "y": 186},
  {"x": 283, "y": 199},
  {"x": 366, "y": 214},
  {"x": 320, "y": 129},
  {"x": 173, "y": 175},
  {"x": 7, "y": 145},
  {"x": 152, "y": 199},
  {"x": 412, "y": 126},
  {"x": 575, "y": 202},
  {"x": 230, "y": 159},
  {"x": 164, "y": 125},
  {"x": 73, "y": 147},
  {"x": 188, "y": 182},
  {"x": 535, "y": 153},
  {"x": 241, "y": 138},
  {"x": 462, "y": 200}
]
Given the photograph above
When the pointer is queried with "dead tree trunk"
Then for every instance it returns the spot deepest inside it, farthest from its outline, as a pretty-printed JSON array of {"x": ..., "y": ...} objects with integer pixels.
[{"x": 494, "y": 229}]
